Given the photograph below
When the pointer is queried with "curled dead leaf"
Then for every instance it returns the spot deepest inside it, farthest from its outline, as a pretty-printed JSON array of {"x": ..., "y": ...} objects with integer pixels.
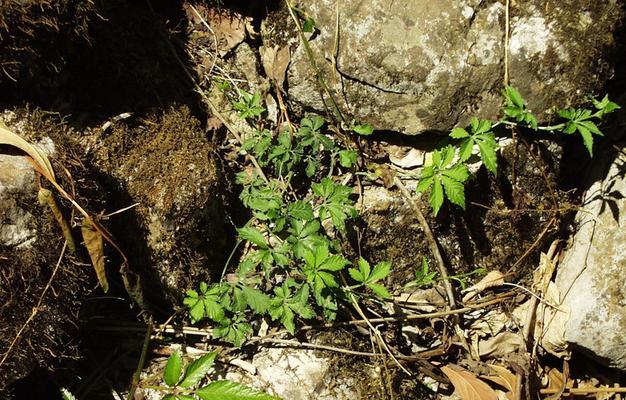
[
  {"x": 405, "y": 159},
  {"x": 492, "y": 279},
  {"x": 275, "y": 62},
  {"x": 504, "y": 378},
  {"x": 467, "y": 385},
  {"x": 39, "y": 157},
  {"x": 95, "y": 247},
  {"x": 500, "y": 345}
]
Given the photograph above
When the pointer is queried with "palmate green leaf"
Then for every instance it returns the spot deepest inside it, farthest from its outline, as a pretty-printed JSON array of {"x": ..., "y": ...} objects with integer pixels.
[
  {"x": 381, "y": 271},
  {"x": 379, "y": 290},
  {"x": 173, "y": 369},
  {"x": 483, "y": 137},
  {"x": 347, "y": 158},
  {"x": 436, "y": 196},
  {"x": 356, "y": 275},
  {"x": 257, "y": 300},
  {"x": 587, "y": 138},
  {"x": 455, "y": 191},
  {"x": 67, "y": 395},
  {"x": 234, "y": 332},
  {"x": 284, "y": 305},
  {"x": 300, "y": 210},
  {"x": 228, "y": 390},
  {"x": 458, "y": 173},
  {"x": 207, "y": 303},
  {"x": 253, "y": 235},
  {"x": 198, "y": 370},
  {"x": 334, "y": 263},
  {"x": 579, "y": 120},
  {"x": 488, "y": 154},
  {"x": 171, "y": 397},
  {"x": 605, "y": 106},
  {"x": 363, "y": 129}
]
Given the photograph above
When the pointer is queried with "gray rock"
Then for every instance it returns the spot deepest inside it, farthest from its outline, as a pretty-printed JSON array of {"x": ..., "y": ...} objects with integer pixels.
[
  {"x": 298, "y": 374},
  {"x": 17, "y": 182},
  {"x": 414, "y": 66},
  {"x": 590, "y": 278}
]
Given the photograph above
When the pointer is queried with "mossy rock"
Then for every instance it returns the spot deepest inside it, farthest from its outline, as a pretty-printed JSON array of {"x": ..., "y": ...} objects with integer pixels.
[
  {"x": 166, "y": 165},
  {"x": 34, "y": 34}
]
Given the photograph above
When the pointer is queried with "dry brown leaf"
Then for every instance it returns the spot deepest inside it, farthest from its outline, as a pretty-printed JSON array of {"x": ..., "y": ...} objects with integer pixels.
[
  {"x": 500, "y": 345},
  {"x": 275, "y": 62},
  {"x": 466, "y": 385},
  {"x": 95, "y": 246},
  {"x": 556, "y": 382},
  {"x": 47, "y": 198},
  {"x": 12, "y": 139},
  {"x": 543, "y": 273},
  {"x": 229, "y": 29},
  {"x": 492, "y": 279},
  {"x": 405, "y": 159},
  {"x": 506, "y": 379}
]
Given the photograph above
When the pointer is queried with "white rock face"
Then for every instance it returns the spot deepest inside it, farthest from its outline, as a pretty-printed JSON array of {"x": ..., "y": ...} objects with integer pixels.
[
  {"x": 591, "y": 277},
  {"x": 17, "y": 180},
  {"x": 297, "y": 374}
]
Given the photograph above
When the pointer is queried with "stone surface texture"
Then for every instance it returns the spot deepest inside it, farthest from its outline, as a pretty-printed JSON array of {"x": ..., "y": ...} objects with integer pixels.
[
  {"x": 417, "y": 66},
  {"x": 30, "y": 245},
  {"x": 297, "y": 375},
  {"x": 17, "y": 182},
  {"x": 590, "y": 278}
]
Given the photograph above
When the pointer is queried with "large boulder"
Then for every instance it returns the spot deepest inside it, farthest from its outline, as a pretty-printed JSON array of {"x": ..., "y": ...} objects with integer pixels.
[
  {"x": 590, "y": 278},
  {"x": 414, "y": 66}
]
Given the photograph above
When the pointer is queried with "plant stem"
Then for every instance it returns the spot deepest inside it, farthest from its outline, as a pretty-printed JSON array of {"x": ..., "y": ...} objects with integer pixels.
[
  {"x": 548, "y": 128},
  {"x": 142, "y": 361}
]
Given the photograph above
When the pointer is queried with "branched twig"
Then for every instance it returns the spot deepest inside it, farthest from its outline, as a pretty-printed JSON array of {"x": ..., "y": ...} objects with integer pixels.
[
  {"x": 432, "y": 241},
  {"x": 507, "y": 22},
  {"x": 377, "y": 334}
]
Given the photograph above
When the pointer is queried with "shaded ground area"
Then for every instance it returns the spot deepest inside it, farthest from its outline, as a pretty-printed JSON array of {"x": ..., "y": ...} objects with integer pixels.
[{"x": 175, "y": 161}]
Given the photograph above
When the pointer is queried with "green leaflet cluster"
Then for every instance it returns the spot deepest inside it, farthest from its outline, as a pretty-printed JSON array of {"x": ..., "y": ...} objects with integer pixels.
[
  {"x": 447, "y": 173},
  {"x": 184, "y": 383},
  {"x": 292, "y": 265}
]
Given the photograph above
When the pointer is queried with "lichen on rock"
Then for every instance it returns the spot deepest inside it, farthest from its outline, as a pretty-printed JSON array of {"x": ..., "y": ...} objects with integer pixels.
[{"x": 428, "y": 66}]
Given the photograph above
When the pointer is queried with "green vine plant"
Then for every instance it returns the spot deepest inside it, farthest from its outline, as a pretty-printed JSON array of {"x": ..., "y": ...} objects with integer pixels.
[
  {"x": 293, "y": 267},
  {"x": 447, "y": 173},
  {"x": 180, "y": 382}
]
